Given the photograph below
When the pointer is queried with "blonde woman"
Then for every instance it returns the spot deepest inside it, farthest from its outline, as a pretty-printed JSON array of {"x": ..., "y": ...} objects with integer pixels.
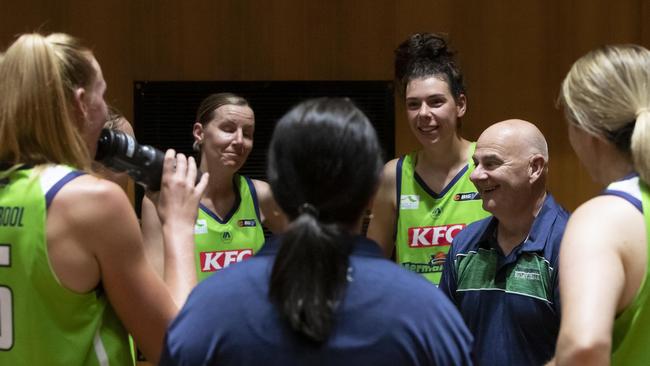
[
  {"x": 73, "y": 276},
  {"x": 604, "y": 256},
  {"x": 234, "y": 207}
]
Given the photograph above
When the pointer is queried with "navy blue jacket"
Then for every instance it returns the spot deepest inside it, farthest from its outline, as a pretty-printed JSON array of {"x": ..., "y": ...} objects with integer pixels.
[{"x": 388, "y": 316}]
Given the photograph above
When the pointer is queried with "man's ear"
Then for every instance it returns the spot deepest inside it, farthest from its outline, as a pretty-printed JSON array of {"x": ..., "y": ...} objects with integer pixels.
[{"x": 536, "y": 167}]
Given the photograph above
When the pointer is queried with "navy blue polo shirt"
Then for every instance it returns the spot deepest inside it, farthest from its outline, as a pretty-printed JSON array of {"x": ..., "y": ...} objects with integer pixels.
[
  {"x": 387, "y": 316},
  {"x": 510, "y": 303}
]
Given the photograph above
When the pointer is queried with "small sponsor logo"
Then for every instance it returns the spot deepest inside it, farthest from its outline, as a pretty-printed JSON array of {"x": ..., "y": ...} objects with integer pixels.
[
  {"x": 436, "y": 212},
  {"x": 436, "y": 264},
  {"x": 469, "y": 196},
  {"x": 247, "y": 223},
  {"x": 214, "y": 261},
  {"x": 438, "y": 259},
  {"x": 226, "y": 236},
  {"x": 428, "y": 236},
  {"x": 201, "y": 227},
  {"x": 409, "y": 202}
]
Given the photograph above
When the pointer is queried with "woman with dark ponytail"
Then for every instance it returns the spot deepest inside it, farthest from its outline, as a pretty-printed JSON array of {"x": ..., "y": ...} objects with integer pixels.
[{"x": 321, "y": 293}]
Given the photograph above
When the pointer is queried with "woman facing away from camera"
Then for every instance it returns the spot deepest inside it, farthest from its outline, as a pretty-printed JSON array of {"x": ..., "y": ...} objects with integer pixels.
[
  {"x": 604, "y": 257},
  {"x": 234, "y": 207},
  {"x": 73, "y": 275},
  {"x": 320, "y": 293},
  {"x": 425, "y": 197}
]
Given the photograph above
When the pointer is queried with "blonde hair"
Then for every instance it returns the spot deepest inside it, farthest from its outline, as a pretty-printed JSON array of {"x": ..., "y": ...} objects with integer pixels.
[
  {"x": 38, "y": 78},
  {"x": 607, "y": 93}
]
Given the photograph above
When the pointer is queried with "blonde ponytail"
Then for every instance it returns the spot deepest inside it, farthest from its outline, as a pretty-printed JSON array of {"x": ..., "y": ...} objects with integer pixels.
[
  {"x": 640, "y": 146},
  {"x": 38, "y": 121},
  {"x": 607, "y": 93}
]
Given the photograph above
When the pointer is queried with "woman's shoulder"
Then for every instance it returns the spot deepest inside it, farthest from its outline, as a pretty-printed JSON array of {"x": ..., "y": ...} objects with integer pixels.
[
  {"x": 610, "y": 209},
  {"x": 607, "y": 220},
  {"x": 92, "y": 197},
  {"x": 89, "y": 186}
]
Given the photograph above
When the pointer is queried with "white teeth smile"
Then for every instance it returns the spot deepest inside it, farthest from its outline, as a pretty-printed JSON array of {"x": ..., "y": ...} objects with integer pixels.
[{"x": 427, "y": 129}]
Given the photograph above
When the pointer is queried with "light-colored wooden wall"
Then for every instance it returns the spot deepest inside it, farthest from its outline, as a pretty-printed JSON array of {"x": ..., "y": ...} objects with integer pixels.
[{"x": 514, "y": 53}]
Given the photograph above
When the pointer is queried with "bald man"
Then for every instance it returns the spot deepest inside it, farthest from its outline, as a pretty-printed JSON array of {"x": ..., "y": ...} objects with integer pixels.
[{"x": 501, "y": 272}]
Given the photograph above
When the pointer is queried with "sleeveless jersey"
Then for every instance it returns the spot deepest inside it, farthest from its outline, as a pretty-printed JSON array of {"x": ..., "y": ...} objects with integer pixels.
[
  {"x": 41, "y": 322},
  {"x": 428, "y": 221},
  {"x": 631, "y": 335},
  {"x": 239, "y": 235}
]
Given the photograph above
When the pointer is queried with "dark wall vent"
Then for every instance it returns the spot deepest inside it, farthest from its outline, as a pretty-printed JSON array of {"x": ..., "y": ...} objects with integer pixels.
[{"x": 164, "y": 111}]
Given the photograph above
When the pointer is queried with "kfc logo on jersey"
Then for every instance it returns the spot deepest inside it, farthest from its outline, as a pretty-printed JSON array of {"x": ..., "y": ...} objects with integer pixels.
[
  {"x": 214, "y": 261},
  {"x": 428, "y": 236}
]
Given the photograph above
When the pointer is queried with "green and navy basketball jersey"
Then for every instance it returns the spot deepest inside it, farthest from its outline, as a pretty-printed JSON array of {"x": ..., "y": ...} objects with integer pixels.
[
  {"x": 631, "y": 336},
  {"x": 41, "y": 322},
  {"x": 428, "y": 221},
  {"x": 239, "y": 235}
]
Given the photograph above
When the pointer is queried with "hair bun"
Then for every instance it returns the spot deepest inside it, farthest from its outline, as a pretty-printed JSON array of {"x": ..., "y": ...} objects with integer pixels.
[
  {"x": 429, "y": 45},
  {"x": 426, "y": 54},
  {"x": 421, "y": 47}
]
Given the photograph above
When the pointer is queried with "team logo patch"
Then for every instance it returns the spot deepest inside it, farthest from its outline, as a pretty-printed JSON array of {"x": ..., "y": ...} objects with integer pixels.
[
  {"x": 436, "y": 212},
  {"x": 433, "y": 236},
  {"x": 409, "y": 202},
  {"x": 435, "y": 265},
  {"x": 201, "y": 227},
  {"x": 528, "y": 275},
  {"x": 214, "y": 261},
  {"x": 226, "y": 236},
  {"x": 247, "y": 223},
  {"x": 469, "y": 196}
]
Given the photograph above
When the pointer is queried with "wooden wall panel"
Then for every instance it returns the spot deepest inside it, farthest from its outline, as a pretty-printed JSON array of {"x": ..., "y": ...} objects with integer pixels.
[{"x": 514, "y": 53}]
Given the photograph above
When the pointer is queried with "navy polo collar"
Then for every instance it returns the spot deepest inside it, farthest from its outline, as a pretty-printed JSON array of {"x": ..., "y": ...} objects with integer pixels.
[{"x": 536, "y": 240}]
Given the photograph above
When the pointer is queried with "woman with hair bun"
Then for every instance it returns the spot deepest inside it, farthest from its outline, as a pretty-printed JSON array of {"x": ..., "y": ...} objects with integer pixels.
[
  {"x": 321, "y": 294},
  {"x": 425, "y": 197},
  {"x": 605, "y": 282}
]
